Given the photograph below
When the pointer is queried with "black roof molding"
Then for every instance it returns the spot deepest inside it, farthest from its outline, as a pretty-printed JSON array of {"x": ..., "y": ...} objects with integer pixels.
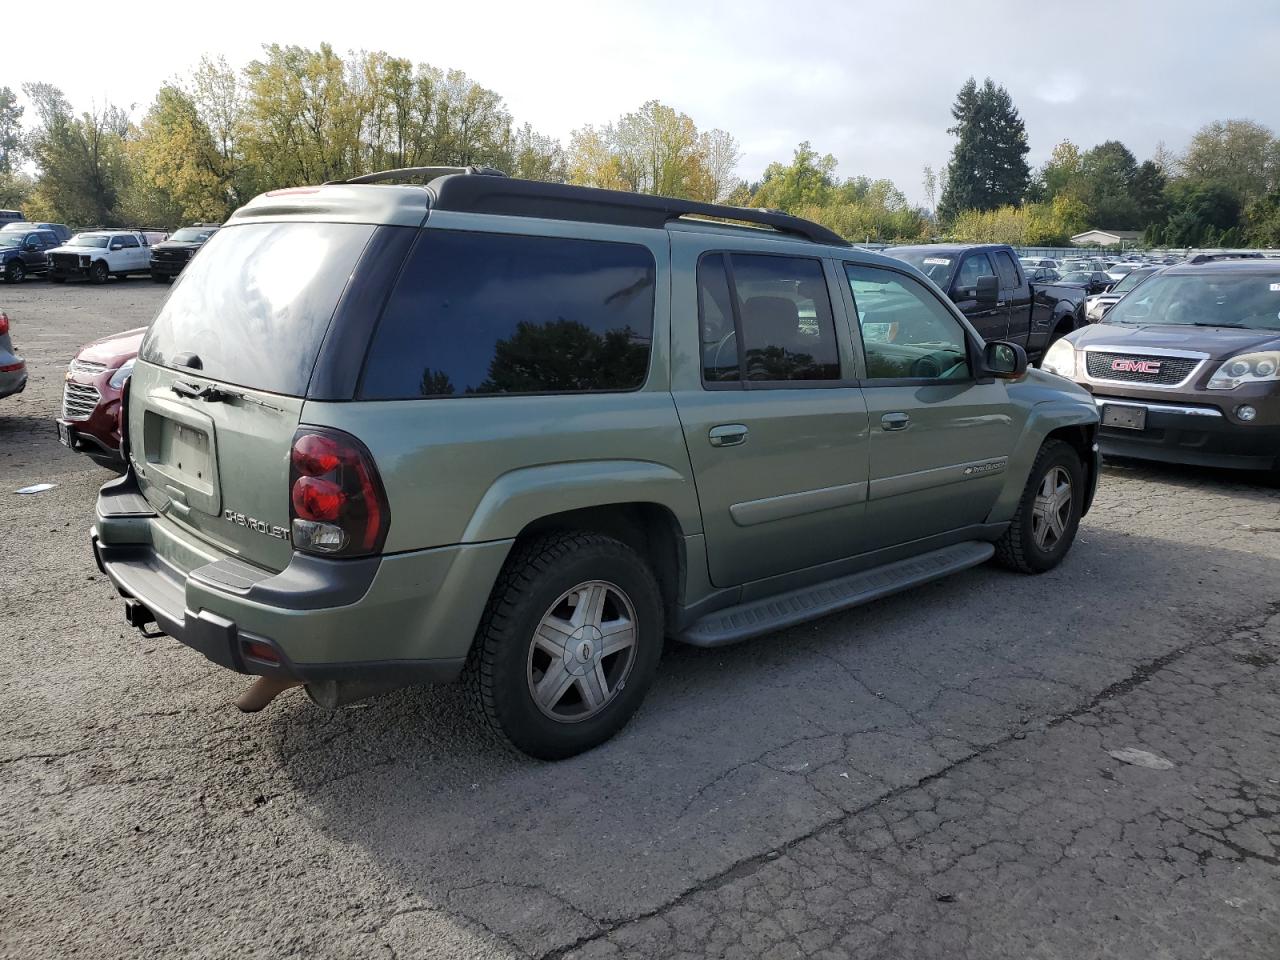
[
  {"x": 1214, "y": 257},
  {"x": 558, "y": 201},
  {"x": 423, "y": 173}
]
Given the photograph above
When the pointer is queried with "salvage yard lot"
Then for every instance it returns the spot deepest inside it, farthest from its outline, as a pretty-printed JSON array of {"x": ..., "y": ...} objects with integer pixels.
[{"x": 931, "y": 775}]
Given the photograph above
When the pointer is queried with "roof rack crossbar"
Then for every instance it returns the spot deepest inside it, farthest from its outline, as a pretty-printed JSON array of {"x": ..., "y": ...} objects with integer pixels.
[
  {"x": 426, "y": 173},
  {"x": 560, "y": 201}
]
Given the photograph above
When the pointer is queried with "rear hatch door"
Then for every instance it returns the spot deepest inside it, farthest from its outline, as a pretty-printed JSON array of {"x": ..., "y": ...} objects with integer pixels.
[{"x": 222, "y": 374}]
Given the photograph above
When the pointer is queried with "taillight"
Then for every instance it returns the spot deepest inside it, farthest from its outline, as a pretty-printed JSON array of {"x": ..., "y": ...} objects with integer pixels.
[
  {"x": 337, "y": 506},
  {"x": 4, "y": 324}
]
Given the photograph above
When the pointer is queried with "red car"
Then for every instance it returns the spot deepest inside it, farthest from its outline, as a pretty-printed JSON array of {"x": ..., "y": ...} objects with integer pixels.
[{"x": 90, "y": 421}]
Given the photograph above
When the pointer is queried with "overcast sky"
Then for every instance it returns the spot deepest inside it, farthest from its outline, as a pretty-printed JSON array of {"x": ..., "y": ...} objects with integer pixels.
[{"x": 871, "y": 83}]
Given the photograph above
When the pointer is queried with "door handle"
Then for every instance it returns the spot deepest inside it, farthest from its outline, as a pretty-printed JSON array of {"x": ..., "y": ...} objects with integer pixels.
[
  {"x": 895, "y": 421},
  {"x": 727, "y": 435}
]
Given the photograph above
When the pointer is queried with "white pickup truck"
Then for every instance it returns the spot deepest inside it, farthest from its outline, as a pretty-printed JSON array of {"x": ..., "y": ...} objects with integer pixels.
[{"x": 99, "y": 254}]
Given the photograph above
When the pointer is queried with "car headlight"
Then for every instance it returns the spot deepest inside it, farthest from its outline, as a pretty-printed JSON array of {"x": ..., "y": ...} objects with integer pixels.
[
  {"x": 1060, "y": 359},
  {"x": 1263, "y": 367},
  {"x": 120, "y": 376}
]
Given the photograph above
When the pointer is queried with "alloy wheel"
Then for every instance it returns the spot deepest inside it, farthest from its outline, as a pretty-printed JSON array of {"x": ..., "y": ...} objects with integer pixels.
[
  {"x": 582, "y": 651},
  {"x": 1052, "y": 509}
]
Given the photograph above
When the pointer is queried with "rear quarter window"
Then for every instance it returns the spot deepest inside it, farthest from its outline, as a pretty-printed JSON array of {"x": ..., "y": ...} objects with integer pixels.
[{"x": 478, "y": 314}]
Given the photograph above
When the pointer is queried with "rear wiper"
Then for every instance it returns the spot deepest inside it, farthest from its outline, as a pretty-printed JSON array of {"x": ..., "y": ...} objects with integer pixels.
[{"x": 211, "y": 394}]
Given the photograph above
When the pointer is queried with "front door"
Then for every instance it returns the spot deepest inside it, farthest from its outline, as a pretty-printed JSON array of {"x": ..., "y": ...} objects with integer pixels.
[
  {"x": 940, "y": 439},
  {"x": 991, "y": 322},
  {"x": 775, "y": 425}
]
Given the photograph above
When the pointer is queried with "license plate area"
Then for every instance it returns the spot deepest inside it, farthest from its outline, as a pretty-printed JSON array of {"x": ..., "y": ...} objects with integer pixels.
[
  {"x": 181, "y": 455},
  {"x": 64, "y": 434},
  {"x": 1124, "y": 417}
]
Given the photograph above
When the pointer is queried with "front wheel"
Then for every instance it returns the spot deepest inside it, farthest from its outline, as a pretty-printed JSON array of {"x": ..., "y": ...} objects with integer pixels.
[
  {"x": 1048, "y": 514},
  {"x": 17, "y": 272},
  {"x": 98, "y": 273},
  {"x": 568, "y": 645}
]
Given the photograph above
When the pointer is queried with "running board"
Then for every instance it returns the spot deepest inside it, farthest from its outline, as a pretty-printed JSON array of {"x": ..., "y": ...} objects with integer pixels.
[{"x": 796, "y": 606}]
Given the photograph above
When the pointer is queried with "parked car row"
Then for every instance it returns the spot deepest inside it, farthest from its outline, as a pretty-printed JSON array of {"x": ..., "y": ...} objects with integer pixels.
[{"x": 50, "y": 250}]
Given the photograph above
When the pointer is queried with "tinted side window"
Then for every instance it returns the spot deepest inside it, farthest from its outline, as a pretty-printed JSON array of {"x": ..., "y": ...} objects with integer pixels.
[
  {"x": 906, "y": 332},
  {"x": 976, "y": 265},
  {"x": 782, "y": 326},
  {"x": 485, "y": 313},
  {"x": 787, "y": 324},
  {"x": 1008, "y": 272},
  {"x": 127, "y": 242},
  {"x": 716, "y": 322}
]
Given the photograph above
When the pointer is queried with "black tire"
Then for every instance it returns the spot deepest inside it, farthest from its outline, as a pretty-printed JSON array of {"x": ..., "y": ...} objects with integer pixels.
[
  {"x": 17, "y": 272},
  {"x": 500, "y": 672},
  {"x": 159, "y": 278},
  {"x": 57, "y": 279},
  {"x": 1020, "y": 548},
  {"x": 98, "y": 273}
]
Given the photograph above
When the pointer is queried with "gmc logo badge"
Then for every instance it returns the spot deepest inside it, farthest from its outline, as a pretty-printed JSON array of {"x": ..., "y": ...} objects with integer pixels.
[{"x": 1136, "y": 366}]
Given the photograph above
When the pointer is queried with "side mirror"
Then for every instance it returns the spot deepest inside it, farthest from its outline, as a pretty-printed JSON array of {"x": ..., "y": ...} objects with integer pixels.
[
  {"x": 117, "y": 246},
  {"x": 1004, "y": 360},
  {"x": 987, "y": 292}
]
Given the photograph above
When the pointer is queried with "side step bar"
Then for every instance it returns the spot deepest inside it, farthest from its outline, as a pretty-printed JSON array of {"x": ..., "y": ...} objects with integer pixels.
[{"x": 756, "y": 617}]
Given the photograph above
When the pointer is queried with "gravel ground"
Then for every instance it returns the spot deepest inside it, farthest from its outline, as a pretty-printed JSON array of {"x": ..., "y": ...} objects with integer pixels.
[{"x": 1082, "y": 764}]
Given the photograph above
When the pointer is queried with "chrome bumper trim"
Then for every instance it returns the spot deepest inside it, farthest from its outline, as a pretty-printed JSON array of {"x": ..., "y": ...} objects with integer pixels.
[{"x": 1160, "y": 407}]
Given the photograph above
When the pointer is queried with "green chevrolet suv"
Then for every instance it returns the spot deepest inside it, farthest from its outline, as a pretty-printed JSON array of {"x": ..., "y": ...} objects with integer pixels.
[{"x": 518, "y": 433}]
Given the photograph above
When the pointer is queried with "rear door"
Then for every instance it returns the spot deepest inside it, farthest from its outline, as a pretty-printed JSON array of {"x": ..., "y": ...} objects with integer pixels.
[
  {"x": 218, "y": 389},
  {"x": 775, "y": 425}
]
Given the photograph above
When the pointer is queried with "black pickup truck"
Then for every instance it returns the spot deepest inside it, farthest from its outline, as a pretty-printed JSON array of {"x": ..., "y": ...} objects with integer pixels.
[{"x": 988, "y": 284}]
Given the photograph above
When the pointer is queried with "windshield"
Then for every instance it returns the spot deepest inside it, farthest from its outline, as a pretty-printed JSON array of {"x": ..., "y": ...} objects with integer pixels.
[
  {"x": 12, "y": 240},
  {"x": 934, "y": 265},
  {"x": 1226, "y": 299},
  {"x": 256, "y": 303},
  {"x": 1076, "y": 277},
  {"x": 1123, "y": 268},
  {"x": 1131, "y": 280},
  {"x": 191, "y": 235},
  {"x": 88, "y": 240}
]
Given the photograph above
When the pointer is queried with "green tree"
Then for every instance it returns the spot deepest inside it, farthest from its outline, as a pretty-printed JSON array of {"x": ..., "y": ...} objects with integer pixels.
[
  {"x": 12, "y": 143},
  {"x": 1199, "y": 213},
  {"x": 1241, "y": 154},
  {"x": 1107, "y": 172},
  {"x": 1060, "y": 175},
  {"x": 809, "y": 180},
  {"x": 178, "y": 164},
  {"x": 1262, "y": 221},
  {"x": 1147, "y": 190},
  {"x": 81, "y": 159},
  {"x": 988, "y": 166}
]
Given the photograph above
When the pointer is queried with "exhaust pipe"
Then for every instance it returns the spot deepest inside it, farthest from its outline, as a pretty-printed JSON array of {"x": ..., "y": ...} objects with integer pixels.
[
  {"x": 332, "y": 694},
  {"x": 262, "y": 691}
]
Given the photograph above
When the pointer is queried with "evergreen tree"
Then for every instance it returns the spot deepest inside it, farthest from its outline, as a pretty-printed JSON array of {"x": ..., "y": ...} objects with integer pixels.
[{"x": 988, "y": 167}]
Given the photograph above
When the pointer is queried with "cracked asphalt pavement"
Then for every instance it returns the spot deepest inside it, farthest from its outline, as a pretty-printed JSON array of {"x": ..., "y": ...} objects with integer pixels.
[{"x": 937, "y": 774}]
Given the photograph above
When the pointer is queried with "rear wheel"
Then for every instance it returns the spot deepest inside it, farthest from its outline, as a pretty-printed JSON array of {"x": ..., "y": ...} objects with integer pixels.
[
  {"x": 568, "y": 645},
  {"x": 16, "y": 272},
  {"x": 1044, "y": 526},
  {"x": 98, "y": 273}
]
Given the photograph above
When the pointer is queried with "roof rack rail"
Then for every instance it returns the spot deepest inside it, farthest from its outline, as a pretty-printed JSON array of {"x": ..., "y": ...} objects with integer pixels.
[
  {"x": 1211, "y": 257},
  {"x": 559, "y": 201},
  {"x": 427, "y": 173}
]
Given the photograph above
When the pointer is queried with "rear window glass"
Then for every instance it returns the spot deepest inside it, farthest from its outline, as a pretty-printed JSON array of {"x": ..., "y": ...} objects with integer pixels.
[
  {"x": 256, "y": 303},
  {"x": 482, "y": 313}
]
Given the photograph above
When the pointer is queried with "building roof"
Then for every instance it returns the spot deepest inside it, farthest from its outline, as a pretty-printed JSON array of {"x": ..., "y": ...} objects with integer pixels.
[{"x": 1113, "y": 236}]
